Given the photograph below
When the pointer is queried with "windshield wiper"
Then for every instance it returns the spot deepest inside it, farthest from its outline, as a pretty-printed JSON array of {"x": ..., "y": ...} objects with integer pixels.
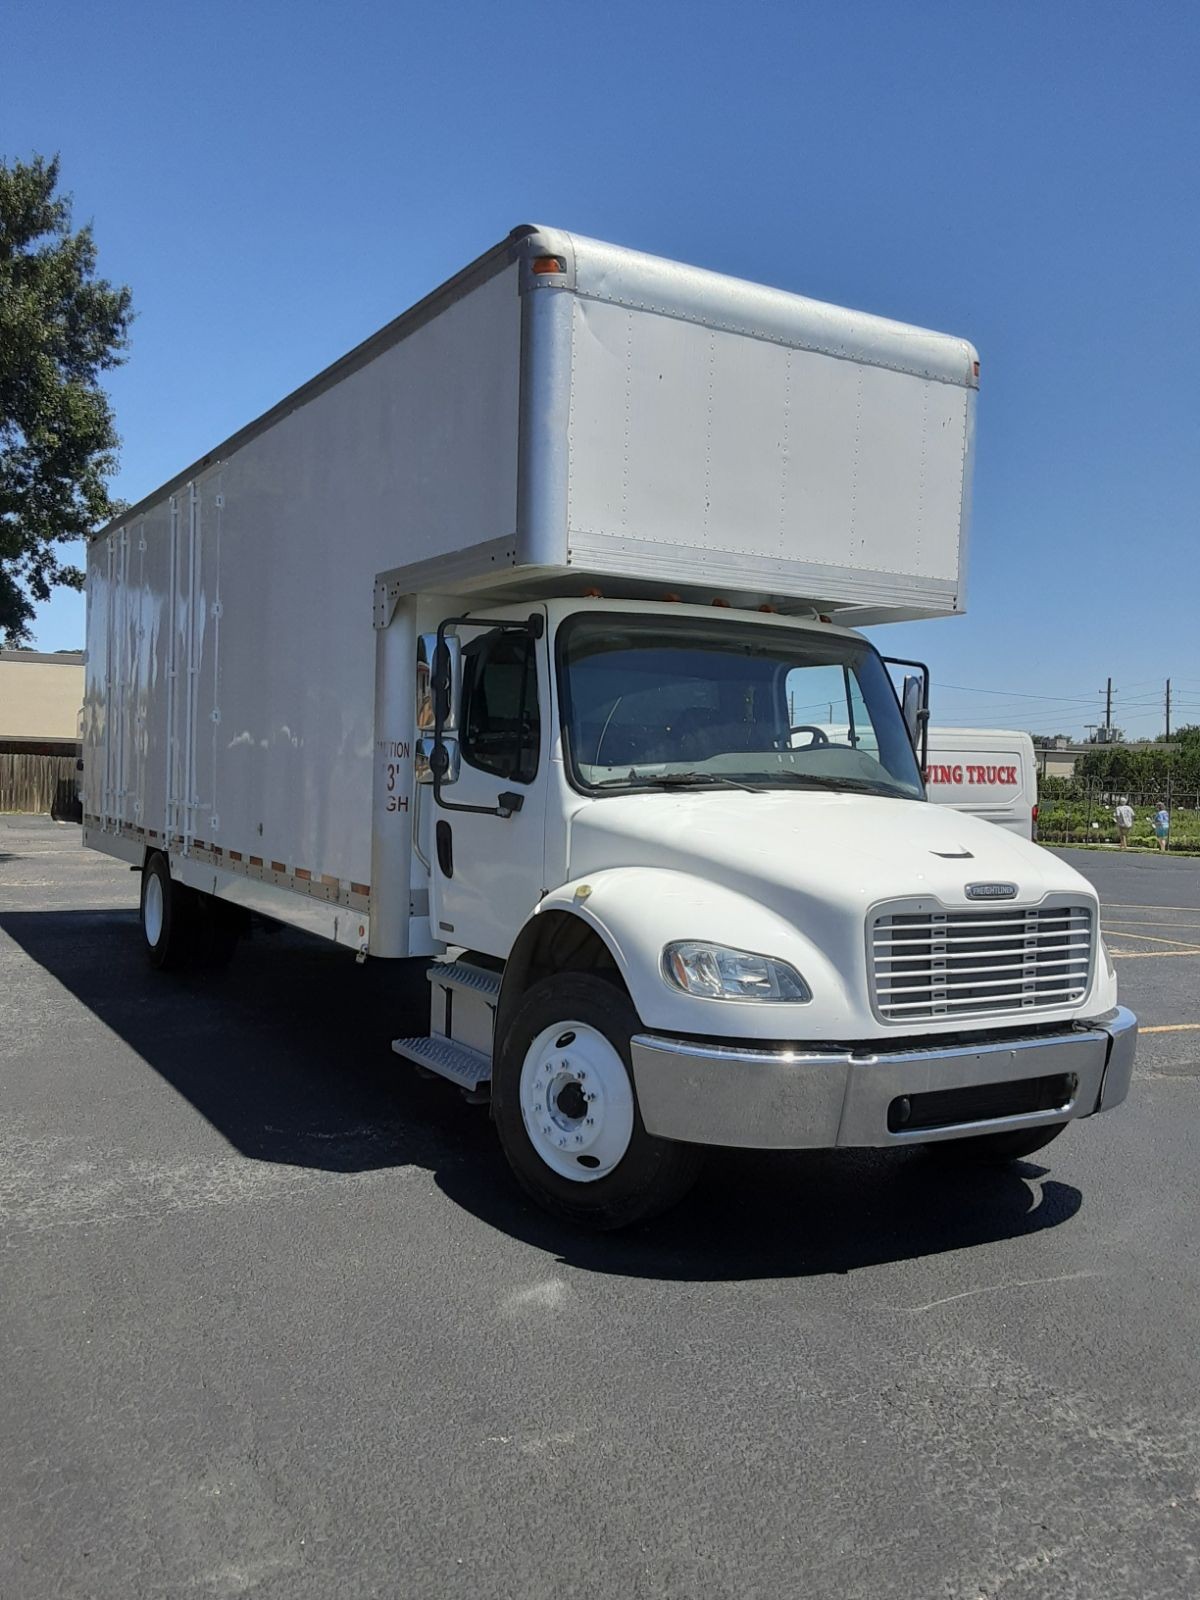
[
  {"x": 674, "y": 780},
  {"x": 811, "y": 780}
]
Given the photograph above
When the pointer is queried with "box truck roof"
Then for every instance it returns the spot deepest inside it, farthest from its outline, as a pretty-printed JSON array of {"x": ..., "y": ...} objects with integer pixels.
[{"x": 567, "y": 408}]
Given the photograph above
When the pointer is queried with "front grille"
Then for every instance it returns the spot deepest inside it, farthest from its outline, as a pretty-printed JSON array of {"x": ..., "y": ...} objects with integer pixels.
[
  {"x": 979, "y": 963},
  {"x": 981, "y": 1102}
]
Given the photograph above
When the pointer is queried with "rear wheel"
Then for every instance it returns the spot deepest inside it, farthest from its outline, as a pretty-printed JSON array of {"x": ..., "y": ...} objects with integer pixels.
[
  {"x": 168, "y": 911},
  {"x": 992, "y": 1149},
  {"x": 566, "y": 1111}
]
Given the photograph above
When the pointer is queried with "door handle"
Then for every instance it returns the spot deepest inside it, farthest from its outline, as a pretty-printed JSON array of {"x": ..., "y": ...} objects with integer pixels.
[
  {"x": 445, "y": 849},
  {"x": 508, "y": 803}
]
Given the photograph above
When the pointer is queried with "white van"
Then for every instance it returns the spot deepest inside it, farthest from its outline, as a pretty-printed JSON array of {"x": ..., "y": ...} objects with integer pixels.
[{"x": 990, "y": 772}]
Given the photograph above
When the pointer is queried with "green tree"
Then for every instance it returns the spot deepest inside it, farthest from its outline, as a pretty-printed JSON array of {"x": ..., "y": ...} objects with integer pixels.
[
  {"x": 1142, "y": 770},
  {"x": 60, "y": 328}
]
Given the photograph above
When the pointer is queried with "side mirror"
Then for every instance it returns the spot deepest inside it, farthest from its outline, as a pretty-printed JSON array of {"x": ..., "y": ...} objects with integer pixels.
[
  {"x": 914, "y": 705},
  {"x": 437, "y": 759},
  {"x": 447, "y": 682},
  {"x": 439, "y": 682},
  {"x": 910, "y": 705},
  {"x": 423, "y": 717}
]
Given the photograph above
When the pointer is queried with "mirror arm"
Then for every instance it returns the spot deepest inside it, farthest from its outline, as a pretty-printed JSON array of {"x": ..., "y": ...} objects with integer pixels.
[{"x": 509, "y": 803}]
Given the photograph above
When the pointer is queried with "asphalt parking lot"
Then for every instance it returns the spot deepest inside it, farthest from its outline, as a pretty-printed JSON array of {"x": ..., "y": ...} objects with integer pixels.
[{"x": 274, "y": 1320}]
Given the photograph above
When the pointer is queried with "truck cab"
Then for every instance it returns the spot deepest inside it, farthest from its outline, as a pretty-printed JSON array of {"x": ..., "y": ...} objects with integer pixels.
[{"x": 691, "y": 891}]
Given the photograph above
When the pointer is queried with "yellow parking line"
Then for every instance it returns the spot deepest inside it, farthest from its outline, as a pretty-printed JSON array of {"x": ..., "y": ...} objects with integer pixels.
[
  {"x": 1173, "y": 1027},
  {"x": 1152, "y": 938},
  {"x": 1128, "y": 905},
  {"x": 1150, "y": 955},
  {"x": 1144, "y": 924}
]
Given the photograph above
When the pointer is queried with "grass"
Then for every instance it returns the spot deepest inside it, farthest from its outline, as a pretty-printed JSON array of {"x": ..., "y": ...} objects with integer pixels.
[{"x": 1176, "y": 851}]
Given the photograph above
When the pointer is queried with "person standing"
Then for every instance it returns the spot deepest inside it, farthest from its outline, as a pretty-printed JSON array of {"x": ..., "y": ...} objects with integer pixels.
[
  {"x": 1162, "y": 825},
  {"x": 1123, "y": 817}
]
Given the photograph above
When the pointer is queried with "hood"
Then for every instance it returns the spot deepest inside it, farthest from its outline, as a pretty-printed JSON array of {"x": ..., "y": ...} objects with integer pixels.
[{"x": 848, "y": 850}]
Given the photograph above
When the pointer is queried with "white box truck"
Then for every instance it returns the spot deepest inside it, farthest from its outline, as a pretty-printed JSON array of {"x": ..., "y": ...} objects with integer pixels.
[
  {"x": 513, "y": 643},
  {"x": 986, "y": 772}
]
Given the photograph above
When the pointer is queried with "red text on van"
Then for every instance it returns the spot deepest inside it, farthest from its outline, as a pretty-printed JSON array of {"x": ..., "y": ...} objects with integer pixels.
[{"x": 971, "y": 774}]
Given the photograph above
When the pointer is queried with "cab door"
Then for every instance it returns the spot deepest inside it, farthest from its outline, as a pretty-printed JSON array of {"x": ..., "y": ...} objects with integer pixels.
[{"x": 489, "y": 822}]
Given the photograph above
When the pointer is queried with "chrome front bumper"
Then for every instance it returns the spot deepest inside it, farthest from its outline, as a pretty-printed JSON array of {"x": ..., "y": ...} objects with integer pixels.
[{"x": 795, "y": 1099}]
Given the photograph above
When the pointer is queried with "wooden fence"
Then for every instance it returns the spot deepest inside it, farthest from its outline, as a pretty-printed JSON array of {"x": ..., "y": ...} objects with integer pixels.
[{"x": 38, "y": 783}]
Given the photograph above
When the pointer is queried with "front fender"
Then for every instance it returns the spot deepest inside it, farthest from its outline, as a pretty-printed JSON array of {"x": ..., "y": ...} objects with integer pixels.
[{"x": 636, "y": 911}]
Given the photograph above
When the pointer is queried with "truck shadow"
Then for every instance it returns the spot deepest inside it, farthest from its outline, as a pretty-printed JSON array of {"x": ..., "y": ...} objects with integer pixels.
[
  {"x": 811, "y": 1213},
  {"x": 287, "y": 1055}
]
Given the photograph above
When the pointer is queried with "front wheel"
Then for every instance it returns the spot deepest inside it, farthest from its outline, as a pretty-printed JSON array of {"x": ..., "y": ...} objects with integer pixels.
[
  {"x": 566, "y": 1111},
  {"x": 992, "y": 1149}
]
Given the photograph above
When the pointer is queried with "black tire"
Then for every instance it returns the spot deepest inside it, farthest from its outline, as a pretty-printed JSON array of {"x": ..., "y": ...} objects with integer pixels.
[
  {"x": 168, "y": 916},
  {"x": 993, "y": 1149},
  {"x": 652, "y": 1175}
]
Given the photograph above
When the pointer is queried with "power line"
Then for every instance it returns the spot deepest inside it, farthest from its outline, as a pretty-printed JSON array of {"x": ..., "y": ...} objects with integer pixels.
[
  {"x": 1014, "y": 694},
  {"x": 1052, "y": 706},
  {"x": 1009, "y": 708},
  {"x": 1049, "y": 718},
  {"x": 1041, "y": 714},
  {"x": 1064, "y": 699}
]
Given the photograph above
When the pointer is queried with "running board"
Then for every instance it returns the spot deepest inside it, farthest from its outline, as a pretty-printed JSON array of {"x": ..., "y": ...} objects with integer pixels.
[
  {"x": 461, "y": 1065},
  {"x": 461, "y": 975}
]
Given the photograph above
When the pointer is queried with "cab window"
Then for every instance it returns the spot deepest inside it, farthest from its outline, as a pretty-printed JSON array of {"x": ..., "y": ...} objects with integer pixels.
[{"x": 501, "y": 728}]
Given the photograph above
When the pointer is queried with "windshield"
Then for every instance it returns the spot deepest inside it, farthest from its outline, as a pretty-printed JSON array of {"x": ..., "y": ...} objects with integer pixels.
[{"x": 679, "y": 702}]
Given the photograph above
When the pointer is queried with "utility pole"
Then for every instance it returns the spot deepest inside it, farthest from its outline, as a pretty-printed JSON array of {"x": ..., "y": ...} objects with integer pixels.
[
  {"x": 1108, "y": 712},
  {"x": 1168, "y": 709}
]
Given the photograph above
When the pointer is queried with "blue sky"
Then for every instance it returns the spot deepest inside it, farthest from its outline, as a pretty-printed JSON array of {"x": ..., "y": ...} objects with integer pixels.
[{"x": 276, "y": 180}]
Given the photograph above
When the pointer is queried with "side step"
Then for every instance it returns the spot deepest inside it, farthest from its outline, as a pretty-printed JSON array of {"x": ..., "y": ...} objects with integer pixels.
[
  {"x": 466, "y": 1067},
  {"x": 460, "y": 1059},
  {"x": 461, "y": 975}
]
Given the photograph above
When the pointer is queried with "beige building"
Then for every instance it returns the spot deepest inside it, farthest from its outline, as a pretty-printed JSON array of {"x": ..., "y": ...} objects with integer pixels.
[
  {"x": 40, "y": 700},
  {"x": 1058, "y": 760}
]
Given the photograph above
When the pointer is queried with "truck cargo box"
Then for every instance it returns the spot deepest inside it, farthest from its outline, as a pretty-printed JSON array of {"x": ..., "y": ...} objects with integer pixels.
[{"x": 562, "y": 414}]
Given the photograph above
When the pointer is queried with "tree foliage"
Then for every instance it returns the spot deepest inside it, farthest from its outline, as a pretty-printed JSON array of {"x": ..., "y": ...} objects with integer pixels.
[
  {"x": 60, "y": 327},
  {"x": 1141, "y": 768}
]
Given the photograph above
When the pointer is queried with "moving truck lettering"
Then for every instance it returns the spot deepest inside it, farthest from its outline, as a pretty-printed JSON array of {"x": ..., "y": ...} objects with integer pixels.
[{"x": 971, "y": 774}]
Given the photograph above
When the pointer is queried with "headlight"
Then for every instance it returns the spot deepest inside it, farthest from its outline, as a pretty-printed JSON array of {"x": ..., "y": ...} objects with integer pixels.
[{"x": 715, "y": 972}]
